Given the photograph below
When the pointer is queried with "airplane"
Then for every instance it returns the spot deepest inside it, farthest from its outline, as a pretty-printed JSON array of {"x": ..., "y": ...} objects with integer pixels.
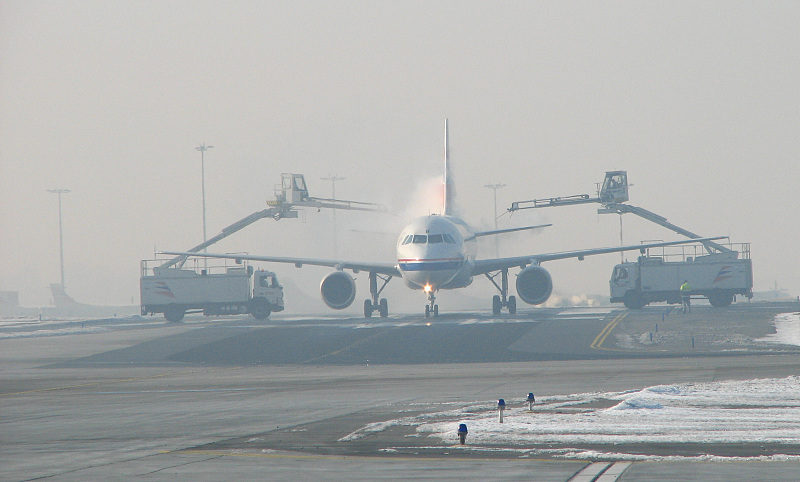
[{"x": 438, "y": 252}]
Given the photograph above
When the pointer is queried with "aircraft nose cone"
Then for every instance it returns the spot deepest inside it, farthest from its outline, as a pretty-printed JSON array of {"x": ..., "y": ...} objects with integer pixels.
[{"x": 434, "y": 272}]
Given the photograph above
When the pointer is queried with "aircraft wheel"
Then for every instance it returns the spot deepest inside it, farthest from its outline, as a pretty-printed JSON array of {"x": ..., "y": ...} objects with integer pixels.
[
  {"x": 367, "y": 309},
  {"x": 512, "y": 305},
  {"x": 435, "y": 311},
  {"x": 383, "y": 308},
  {"x": 497, "y": 305},
  {"x": 427, "y": 311}
]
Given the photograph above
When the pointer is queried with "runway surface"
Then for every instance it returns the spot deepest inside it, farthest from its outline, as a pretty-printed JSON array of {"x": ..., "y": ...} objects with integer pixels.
[{"x": 333, "y": 397}]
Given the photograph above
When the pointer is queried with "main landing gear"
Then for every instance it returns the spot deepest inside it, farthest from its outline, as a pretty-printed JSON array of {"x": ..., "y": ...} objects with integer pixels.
[
  {"x": 431, "y": 308},
  {"x": 375, "y": 304},
  {"x": 502, "y": 300}
]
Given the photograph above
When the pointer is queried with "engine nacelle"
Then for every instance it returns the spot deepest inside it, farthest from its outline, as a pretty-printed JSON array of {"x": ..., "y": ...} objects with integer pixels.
[
  {"x": 338, "y": 290},
  {"x": 534, "y": 285}
]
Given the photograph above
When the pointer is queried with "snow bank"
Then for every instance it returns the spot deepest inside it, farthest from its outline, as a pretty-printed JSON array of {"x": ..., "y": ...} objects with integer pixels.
[
  {"x": 750, "y": 411},
  {"x": 787, "y": 328}
]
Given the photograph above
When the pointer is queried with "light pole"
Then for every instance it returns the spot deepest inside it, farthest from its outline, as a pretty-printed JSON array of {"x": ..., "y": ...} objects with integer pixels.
[
  {"x": 333, "y": 178},
  {"x": 495, "y": 187},
  {"x": 60, "y": 230},
  {"x": 203, "y": 148}
]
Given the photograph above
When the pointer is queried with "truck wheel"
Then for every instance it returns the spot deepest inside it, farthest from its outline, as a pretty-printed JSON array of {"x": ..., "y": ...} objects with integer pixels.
[
  {"x": 260, "y": 308},
  {"x": 174, "y": 314},
  {"x": 720, "y": 300},
  {"x": 633, "y": 300}
]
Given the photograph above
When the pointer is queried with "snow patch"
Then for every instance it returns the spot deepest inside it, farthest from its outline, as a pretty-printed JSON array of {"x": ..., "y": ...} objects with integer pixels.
[
  {"x": 787, "y": 330},
  {"x": 749, "y": 411},
  {"x": 54, "y": 332}
]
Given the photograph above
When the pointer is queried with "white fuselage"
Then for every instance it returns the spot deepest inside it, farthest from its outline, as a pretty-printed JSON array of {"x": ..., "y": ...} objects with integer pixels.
[{"x": 436, "y": 252}]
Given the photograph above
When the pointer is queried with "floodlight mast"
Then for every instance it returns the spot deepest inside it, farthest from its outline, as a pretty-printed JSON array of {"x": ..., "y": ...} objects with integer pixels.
[
  {"x": 495, "y": 187},
  {"x": 203, "y": 148},
  {"x": 333, "y": 178},
  {"x": 60, "y": 229}
]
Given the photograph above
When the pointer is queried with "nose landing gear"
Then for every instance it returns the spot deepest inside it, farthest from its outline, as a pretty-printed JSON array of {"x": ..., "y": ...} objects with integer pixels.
[{"x": 431, "y": 308}]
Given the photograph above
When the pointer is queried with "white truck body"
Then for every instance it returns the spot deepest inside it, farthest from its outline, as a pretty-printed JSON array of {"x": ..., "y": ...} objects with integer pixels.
[
  {"x": 718, "y": 277},
  {"x": 228, "y": 291}
]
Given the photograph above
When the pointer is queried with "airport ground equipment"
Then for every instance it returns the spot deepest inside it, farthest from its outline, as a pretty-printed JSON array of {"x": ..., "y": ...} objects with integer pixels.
[
  {"x": 657, "y": 277},
  {"x": 718, "y": 272},
  {"x": 211, "y": 290},
  {"x": 291, "y": 194},
  {"x": 168, "y": 288}
]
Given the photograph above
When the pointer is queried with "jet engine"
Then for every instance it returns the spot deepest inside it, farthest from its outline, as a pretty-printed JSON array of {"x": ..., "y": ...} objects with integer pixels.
[
  {"x": 338, "y": 290},
  {"x": 534, "y": 285}
]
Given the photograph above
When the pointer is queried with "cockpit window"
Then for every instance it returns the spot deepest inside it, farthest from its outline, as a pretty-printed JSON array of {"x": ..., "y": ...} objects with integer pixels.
[
  {"x": 420, "y": 239},
  {"x": 408, "y": 239},
  {"x": 435, "y": 238},
  {"x": 448, "y": 238}
]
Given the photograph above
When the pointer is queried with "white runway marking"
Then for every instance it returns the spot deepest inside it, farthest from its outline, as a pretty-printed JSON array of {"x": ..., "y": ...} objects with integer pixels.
[{"x": 590, "y": 472}]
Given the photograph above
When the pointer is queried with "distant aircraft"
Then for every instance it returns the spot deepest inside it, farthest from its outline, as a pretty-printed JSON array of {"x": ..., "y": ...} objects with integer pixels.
[{"x": 437, "y": 252}]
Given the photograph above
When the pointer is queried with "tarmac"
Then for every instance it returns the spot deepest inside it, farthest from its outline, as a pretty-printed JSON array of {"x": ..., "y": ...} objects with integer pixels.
[{"x": 214, "y": 398}]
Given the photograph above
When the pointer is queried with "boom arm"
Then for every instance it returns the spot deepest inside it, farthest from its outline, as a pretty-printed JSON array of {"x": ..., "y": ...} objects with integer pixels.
[
  {"x": 290, "y": 194},
  {"x": 276, "y": 213},
  {"x": 611, "y": 194},
  {"x": 660, "y": 220}
]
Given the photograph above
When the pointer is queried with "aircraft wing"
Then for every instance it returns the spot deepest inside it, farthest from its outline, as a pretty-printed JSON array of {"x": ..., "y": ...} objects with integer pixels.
[
  {"x": 503, "y": 231},
  {"x": 483, "y": 266},
  {"x": 382, "y": 268}
]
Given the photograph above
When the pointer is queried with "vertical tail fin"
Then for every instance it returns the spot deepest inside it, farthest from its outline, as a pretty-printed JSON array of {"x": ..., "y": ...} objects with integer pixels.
[{"x": 449, "y": 192}]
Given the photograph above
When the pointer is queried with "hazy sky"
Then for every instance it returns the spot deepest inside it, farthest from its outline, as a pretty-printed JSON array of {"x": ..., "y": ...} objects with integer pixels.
[{"x": 698, "y": 101}]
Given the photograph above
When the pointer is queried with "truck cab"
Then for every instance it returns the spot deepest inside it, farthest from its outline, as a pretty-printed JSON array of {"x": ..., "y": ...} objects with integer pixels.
[{"x": 266, "y": 287}]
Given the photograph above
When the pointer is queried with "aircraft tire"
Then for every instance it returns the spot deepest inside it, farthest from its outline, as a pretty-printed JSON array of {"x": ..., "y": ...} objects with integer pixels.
[
  {"x": 383, "y": 308},
  {"x": 427, "y": 311},
  {"x": 497, "y": 305},
  {"x": 512, "y": 305},
  {"x": 368, "y": 309},
  {"x": 435, "y": 311}
]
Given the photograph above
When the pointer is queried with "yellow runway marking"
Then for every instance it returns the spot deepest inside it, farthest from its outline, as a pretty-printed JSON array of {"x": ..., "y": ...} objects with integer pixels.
[{"x": 598, "y": 341}]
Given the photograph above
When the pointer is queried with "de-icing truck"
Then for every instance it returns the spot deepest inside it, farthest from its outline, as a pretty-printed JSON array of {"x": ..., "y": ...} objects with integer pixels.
[
  {"x": 717, "y": 276},
  {"x": 211, "y": 290},
  {"x": 714, "y": 271}
]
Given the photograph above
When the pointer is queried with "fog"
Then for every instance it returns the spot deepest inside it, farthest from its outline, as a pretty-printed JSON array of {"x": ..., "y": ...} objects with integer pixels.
[{"x": 698, "y": 102}]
